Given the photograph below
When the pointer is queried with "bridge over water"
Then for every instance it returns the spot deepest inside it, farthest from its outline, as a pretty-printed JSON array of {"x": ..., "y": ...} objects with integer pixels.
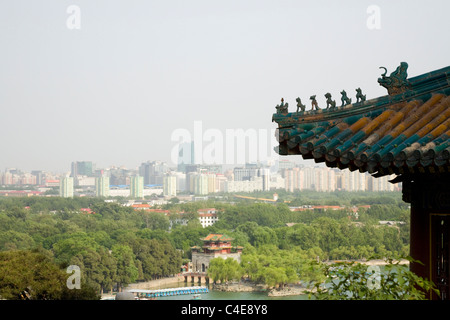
[
  {"x": 202, "y": 277},
  {"x": 169, "y": 292}
]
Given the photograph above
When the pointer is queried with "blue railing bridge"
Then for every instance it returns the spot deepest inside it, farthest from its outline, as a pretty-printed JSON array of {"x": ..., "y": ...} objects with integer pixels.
[{"x": 169, "y": 292}]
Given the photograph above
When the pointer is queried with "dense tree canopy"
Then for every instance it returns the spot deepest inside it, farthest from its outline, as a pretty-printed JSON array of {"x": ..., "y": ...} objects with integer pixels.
[
  {"x": 33, "y": 275},
  {"x": 117, "y": 245}
]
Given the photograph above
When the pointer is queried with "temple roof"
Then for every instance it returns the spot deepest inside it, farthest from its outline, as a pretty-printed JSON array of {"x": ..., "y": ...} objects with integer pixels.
[
  {"x": 217, "y": 237},
  {"x": 406, "y": 131}
]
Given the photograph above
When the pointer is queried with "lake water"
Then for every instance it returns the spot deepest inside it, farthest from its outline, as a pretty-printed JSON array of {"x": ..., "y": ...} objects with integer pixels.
[{"x": 220, "y": 295}]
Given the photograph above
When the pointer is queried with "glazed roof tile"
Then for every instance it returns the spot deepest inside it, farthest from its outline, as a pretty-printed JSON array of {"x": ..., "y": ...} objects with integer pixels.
[
  {"x": 399, "y": 133},
  {"x": 217, "y": 237}
]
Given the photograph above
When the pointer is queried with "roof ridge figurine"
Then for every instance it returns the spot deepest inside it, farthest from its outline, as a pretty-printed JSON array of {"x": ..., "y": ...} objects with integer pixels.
[
  {"x": 397, "y": 81},
  {"x": 330, "y": 102},
  {"x": 314, "y": 103},
  {"x": 360, "y": 96},
  {"x": 282, "y": 108},
  {"x": 344, "y": 99},
  {"x": 300, "y": 105}
]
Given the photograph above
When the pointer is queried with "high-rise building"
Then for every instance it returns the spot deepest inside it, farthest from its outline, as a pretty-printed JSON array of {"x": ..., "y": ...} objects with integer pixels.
[
  {"x": 255, "y": 184},
  {"x": 221, "y": 181},
  {"x": 331, "y": 180},
  {"x": 211, "y": 183},
  {"x": 201, "y": 184},
  {"x": 186, "y": 156},
  {"x": 137, "y": 187},
  {"x": 285, "y": 164},
  {"x": 66, "y": 187},
  {"x": 153, "y": 172},
  {"x": 9, "y": 177},
  {"x": 264, "y": 173},
  {"x": 290, "y": 179},
  {"x": 170, "y": 185},
  {"x": 119, "y": 176},
  {"x": 39, "y": 176},
  {"x": 181, "y": 184},
  {"x": 246, "y": 173},
  {"x": 353, "y": 180},
  {"x": 190, "y": 181},
  {"x": 82, "y": 168},
  {"x": 102, "y": 186},
  {"x": 27, "y": 179},
  {"x": 308, "y": 178},
  {"x": 321, "y": 179}
]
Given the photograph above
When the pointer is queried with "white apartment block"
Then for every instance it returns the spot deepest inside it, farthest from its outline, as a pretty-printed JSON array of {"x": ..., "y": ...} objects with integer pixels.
[
  {"x": 207, "y": 217},
  {"x": 66, "y": 187},
  {"x": 170, "y": 185},
  {"x": 102, "y": 187},
  {"x": 326, "y": 179},
  {"x": 255, "y": 184}
]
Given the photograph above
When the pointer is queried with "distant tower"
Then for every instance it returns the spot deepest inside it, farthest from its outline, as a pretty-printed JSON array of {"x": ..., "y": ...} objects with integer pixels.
[
  {"x": 137, "y": 187},
  {"x": 66, "y": 187},
  {"x": 214, "y": 246},
  {"x": 186, "y": 156}
]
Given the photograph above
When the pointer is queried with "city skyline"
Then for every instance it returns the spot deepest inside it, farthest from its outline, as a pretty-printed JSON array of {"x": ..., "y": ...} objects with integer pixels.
[
  {"x": 112, "y": 81},
  {"x": 156, "y": 178}
]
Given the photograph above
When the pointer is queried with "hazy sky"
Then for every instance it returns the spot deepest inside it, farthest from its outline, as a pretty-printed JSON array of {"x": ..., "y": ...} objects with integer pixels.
[{"x": 116, "y": 89}]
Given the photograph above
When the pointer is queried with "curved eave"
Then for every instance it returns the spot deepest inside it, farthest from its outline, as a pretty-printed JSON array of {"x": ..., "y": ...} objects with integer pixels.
[{"x": 404, "y": 133}]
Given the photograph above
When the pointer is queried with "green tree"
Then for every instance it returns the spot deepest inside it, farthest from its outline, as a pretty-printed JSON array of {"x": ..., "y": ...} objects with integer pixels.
[
  {"x": 224, "y": 269},
  {"x": 102, "y": 238},
  {"x": 14, "y": 240},
  {"x": 127, "y": 272},
  {"x": 257, "y": 235},
  {"x": 89, "y": 262},
  {"x": 355, "y": 281},
  {"x": 108, "y": 267},
  {"x": 72, "y": 245},
  {"x": 274, "y": 276},
  {"x": 18, "y": 213},
  {"x": 155, "y": 221},
  {"x": 215, "y": 269},
  {"x": 232, "y": 269},
  {"x": 185, "y": 237},
  {"x": 35, "y": 273},
  {"x": 329, "y": 234}
]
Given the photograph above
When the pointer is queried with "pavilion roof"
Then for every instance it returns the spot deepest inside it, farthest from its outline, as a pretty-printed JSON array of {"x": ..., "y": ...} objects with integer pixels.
[
  {"x": 217, "y": 237},
  {"x": 406, "y": 131}
]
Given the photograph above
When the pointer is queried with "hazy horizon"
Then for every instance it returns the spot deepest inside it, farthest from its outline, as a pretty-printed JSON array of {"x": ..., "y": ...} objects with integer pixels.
[{"x": 113, "y": 83}]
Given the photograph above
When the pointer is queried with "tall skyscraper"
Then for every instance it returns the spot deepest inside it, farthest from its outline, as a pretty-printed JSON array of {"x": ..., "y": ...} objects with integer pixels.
[
  {"x": 137, "y": 187},
  {"x": 186, "y": 156},
  {"x": 66, "y": 187},
  {"x": 264, "y": 173},
  {"x": 82, "y": 168},
  {"x": 102, "y": 187}
]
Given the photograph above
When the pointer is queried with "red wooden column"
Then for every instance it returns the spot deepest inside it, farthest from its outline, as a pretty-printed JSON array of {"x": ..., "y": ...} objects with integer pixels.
[{"x": 429, "y": 196}]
